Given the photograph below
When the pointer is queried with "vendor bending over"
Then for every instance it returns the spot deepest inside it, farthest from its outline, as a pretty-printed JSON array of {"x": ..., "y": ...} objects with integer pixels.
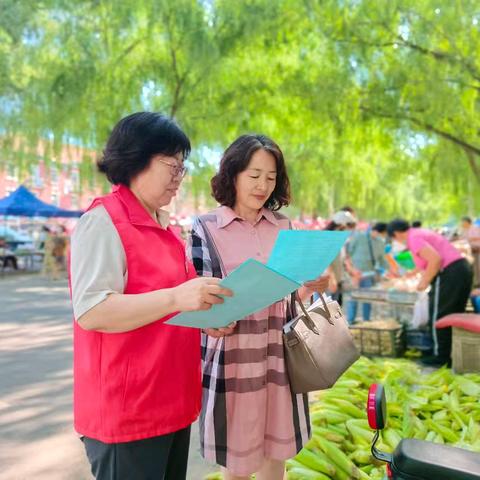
[{"x": 448, "y": 273}]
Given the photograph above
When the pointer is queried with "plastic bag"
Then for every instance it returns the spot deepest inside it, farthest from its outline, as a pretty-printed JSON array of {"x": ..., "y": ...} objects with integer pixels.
[{"x": 420, "y": 311}]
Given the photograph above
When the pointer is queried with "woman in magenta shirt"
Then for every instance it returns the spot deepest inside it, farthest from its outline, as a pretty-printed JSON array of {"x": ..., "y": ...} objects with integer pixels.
[{"x": 448, "y": 273}]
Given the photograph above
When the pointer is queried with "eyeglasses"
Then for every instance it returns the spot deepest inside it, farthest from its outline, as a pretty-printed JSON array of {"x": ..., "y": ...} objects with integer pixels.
[{"x": 177, "y": 170}]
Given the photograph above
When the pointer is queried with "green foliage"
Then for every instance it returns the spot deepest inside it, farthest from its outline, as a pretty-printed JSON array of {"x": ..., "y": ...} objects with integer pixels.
[{"x": 375, "y": 104}]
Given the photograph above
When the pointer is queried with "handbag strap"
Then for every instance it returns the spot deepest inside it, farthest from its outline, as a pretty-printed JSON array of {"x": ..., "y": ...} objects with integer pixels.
[
  {"x": 370, "y": 248},
  {"x": 291, "y": 309},
  {"x": 308, "y": 320}
]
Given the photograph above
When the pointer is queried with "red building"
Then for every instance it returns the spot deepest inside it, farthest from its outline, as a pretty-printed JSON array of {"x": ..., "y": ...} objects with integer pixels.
[
  {"x": 54, "y": 181},
  {"x": 70, "y": 180}
]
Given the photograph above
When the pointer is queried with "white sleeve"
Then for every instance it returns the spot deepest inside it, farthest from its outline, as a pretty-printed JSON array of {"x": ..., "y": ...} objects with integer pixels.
[{"x": 98, "y": 263}]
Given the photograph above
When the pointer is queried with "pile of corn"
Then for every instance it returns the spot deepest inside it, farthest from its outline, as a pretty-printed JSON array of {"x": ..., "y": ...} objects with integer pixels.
[{"x": 440, "y": 407}]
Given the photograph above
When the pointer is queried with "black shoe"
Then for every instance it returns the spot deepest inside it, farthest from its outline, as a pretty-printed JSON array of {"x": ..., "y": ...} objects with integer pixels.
[{"x": 435, "y": 361}]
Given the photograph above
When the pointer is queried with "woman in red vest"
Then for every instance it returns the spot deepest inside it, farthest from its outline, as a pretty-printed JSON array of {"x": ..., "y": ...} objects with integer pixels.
[{"x": 137, "y": 386}]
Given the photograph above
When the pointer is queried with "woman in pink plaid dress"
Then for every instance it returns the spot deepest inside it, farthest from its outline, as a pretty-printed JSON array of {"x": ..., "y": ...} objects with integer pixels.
[{"x": 251, "y": 422}]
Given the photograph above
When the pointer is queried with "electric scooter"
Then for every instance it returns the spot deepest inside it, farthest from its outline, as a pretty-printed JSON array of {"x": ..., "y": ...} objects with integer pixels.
[{"x": 417, "y": 459}]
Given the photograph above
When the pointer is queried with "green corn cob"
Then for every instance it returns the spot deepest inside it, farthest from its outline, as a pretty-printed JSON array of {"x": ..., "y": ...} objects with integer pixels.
[
  {"x": 298, "y": 473},
  {"x": 315, "y": 462},
  {"x": 338, "y": 458},
  {"x": 445, "y": 432}
]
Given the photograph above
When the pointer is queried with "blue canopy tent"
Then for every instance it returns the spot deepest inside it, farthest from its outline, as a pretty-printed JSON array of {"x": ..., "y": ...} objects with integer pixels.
[{"x": 22, "y": 202}]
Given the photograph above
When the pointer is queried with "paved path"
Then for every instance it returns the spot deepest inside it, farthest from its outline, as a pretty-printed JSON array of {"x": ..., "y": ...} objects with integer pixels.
[{"x": 36, "y": 437}]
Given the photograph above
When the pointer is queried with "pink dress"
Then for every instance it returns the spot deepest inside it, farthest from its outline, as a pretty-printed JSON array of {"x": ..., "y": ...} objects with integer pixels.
[{"x": 249, "y": 412}]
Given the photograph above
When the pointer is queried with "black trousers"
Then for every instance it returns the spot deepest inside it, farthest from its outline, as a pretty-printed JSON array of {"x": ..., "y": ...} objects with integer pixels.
[
  {"x": 158, "y": 458},
  {"x": 10, "y": 260},
  {"x": 449, "y": 294}
]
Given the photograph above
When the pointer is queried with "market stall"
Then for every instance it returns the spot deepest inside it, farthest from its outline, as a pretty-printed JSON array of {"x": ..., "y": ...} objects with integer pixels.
[
  {"x": 23, "y": 203},
  {"x": 393, "y": 299}
]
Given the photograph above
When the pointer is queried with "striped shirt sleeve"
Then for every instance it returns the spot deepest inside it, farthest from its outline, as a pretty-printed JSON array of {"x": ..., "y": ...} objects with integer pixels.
[{"x": 198, "y": 252}]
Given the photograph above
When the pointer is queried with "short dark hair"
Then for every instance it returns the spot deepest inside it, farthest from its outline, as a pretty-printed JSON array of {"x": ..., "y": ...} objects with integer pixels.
[
  {"x": 380, "y": 227},
  {"x": 133, "y": 142},
  {"x": 397, "y": 225},
  {"x": 236, "y": 159},
  {"x": 332, "y": 226},
  {"x": 416, "y": 223},
  {"x": 347, "y": 208},
  {"x": 466, "y": 219}
]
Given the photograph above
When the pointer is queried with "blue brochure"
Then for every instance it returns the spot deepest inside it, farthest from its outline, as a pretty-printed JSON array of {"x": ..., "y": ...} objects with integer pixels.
[
  {"x": 297, "y": 256},
  {"x": 303, "y": 255},
  {"x": 255, "y": 286}
]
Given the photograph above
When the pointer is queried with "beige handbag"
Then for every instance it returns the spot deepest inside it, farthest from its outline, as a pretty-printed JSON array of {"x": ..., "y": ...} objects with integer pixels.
[{"x": 318, "y": 346}]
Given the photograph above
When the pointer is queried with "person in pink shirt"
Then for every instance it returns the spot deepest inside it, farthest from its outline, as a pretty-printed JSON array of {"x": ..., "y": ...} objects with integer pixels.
[
  {"x": 251, "y": 421},
  {"x": 445, "y": 270}
]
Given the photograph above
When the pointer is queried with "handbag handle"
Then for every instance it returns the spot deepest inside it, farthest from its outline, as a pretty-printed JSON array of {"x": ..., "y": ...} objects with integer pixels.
[{"x": 308, "y": 320}]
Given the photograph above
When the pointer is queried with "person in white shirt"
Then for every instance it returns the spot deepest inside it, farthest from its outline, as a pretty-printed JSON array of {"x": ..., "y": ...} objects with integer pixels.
[{"x": 471, "y": 233}]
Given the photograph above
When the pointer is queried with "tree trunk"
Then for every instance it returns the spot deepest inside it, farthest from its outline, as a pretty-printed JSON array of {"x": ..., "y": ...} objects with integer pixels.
[{"x": 473, "y": 164}]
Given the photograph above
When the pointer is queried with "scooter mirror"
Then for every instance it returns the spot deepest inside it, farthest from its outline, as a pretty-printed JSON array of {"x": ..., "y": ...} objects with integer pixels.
[{"x": 376, "y": 407}]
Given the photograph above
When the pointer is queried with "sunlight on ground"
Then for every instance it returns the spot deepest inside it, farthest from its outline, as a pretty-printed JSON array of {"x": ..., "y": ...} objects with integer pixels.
[
  {"x": 17, "y": 337},
  {"x": 46, "y": 289}
]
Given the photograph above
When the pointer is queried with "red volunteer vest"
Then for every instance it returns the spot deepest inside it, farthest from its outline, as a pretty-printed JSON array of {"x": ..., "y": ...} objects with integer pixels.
[{"x": 146, "y": 382}]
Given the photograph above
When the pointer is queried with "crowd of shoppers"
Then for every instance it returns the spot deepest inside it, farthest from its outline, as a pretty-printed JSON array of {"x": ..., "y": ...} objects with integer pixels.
[{"x": 443, "y": 270}]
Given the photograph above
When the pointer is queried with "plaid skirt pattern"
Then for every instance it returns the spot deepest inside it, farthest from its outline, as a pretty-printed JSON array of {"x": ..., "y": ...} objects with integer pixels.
[{"x": 249, "y": 412}]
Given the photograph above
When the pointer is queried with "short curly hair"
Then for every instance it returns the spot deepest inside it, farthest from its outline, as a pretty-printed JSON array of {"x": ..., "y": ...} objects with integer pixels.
[
  {"x": 236, "y": 159},
  {"x": 133, "y": 142}
]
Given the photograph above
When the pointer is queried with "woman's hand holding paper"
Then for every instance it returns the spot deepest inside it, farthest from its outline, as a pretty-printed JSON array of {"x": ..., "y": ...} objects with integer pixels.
[
  {"x": 220, "y": 332},
  {"x": 319, "y": 285}
]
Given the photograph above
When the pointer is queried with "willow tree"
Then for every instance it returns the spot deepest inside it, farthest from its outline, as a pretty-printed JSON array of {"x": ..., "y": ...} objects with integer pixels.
[
  {"x": 372, "y": 102},
  {"x": 417, "y": 69}
]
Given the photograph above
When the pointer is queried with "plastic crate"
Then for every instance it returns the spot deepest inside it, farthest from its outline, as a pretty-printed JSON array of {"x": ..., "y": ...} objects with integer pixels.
[
  {"x": 400, "y": 296},
  {"x": 475, "y": 303},
  {"x": 421, "y": 339},
  {"x": 465, "y": 351},
  {"x": 384, "y": 338},
  {"x": 368, "y": 294}
]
